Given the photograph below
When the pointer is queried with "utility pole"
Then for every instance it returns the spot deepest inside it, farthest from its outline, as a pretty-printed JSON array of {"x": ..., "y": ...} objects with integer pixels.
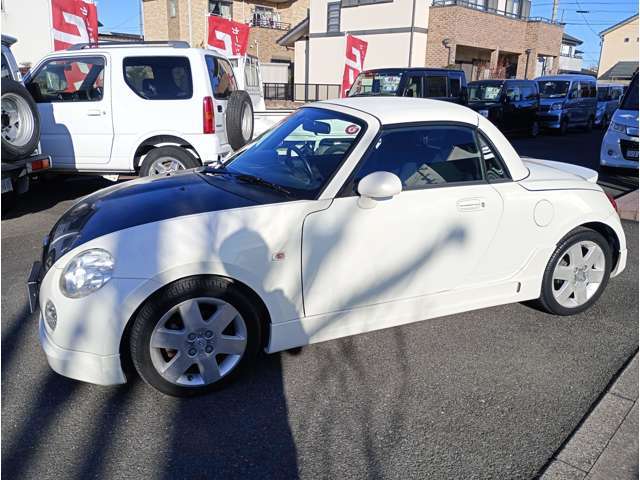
[{"x": 554, "y": 12}]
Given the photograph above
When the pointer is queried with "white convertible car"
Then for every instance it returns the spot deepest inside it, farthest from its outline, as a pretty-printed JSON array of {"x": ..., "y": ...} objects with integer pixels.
[{"x": 352, "y": 215}]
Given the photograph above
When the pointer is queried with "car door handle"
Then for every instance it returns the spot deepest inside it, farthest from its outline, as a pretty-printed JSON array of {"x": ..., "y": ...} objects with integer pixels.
[
  {"x": 94, "y": 112},
  {"x": 470, "y": 204}
]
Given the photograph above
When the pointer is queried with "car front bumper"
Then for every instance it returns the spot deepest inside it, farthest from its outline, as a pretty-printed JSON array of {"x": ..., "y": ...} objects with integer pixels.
[
  {"x": 611, "y": 154},
  {"x": 550, "y": 119},
  {"x": 83, "y": 366}
]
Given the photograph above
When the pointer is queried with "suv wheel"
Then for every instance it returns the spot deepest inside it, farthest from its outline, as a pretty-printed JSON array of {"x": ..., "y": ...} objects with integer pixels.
[
  {"x": 20, "y": 121},
  {"x": 535, "y": 130},
  {"x": 589, "y": 125},
  {"x": 164, "y": 160},
  {"x": 239, "y": 119},
  {"x": 564, "y": 126}
]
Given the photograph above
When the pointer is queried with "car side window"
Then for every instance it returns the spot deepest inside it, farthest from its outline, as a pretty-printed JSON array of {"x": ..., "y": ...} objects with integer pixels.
[
  {"x": 575, "y": 88},
  {"x": 159, "y": 78},
  {"x": 454, "y": 87},
  {"x": 584, "y": 90},
  {"x": 425, "y": 156},
  {"x": 513, "y": 94},
  {"x": 221, "y": 77},
  {"x": 494, "y": 168},
  {"x": 528, "y": 92},
  {"x": 414, "y": 87},
  {"x": 435, "y": 86},
  {"x": 68, "y": 80}
]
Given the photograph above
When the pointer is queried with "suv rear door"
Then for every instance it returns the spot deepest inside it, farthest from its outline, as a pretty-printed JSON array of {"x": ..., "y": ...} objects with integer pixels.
[
  {"x": 435, "y": 85},
  {"x": 73, "y": 94},
  {"x": 223, "y": 83}
]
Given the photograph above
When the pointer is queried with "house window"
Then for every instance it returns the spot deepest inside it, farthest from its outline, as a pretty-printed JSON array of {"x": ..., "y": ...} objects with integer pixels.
[
  {"x": 222, "y": 8},
  {"x": 173, "y": 8},
  {"x": 333, "y": 17}
]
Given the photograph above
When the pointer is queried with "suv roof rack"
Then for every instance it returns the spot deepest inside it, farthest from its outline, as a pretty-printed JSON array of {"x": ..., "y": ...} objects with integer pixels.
[{"x": 112, "y": 43}]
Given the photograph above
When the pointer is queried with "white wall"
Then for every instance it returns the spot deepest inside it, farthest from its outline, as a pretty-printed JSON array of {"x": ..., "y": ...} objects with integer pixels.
[
  {"x": 30, "y": 22},
  {"x": 570, "y": 63}
]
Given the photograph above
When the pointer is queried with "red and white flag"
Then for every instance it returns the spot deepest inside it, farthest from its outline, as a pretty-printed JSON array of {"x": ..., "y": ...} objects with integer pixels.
[
  {"x": 74, "y": 21},
  {"x": 354, "y": 62},
  {"x": 228, "y": 37}
]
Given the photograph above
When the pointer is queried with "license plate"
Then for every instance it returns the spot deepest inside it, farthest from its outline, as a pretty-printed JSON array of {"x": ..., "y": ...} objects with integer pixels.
[
  {"x": 632, "y": 153},
  {"x": 33, "y": 286},
  {"x": 7, "y": 186}
]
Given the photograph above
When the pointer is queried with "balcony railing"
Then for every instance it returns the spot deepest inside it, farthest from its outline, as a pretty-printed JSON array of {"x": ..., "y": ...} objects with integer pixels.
[
  {"x": 265, "y": 21},
  {"x": 483, "y": 8},
  {"x": 301, "y": 92}
]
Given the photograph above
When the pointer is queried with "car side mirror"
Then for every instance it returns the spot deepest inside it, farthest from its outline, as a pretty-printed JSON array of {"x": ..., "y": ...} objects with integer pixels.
[{"x": 378, "y": 186}]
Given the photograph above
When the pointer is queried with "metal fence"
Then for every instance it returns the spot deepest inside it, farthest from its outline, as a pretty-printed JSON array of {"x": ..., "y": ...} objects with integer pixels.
[
  {"x": 474, "y": 5},
  {"x": 301, "y": 92}
]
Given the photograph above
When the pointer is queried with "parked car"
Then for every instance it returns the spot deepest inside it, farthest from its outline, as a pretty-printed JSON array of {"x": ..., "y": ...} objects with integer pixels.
[
  {"x": 21, "y": 155},
  {"x": 440, "y": 84},
  {"x": 567, "y": 101},
  {"x": 288, "y": 243},
  {"x": 620, "y": 143},
  {"x": 512, "y": 105},
  {"x": 608, "y": 100},
  {"x": 146, "y": 108}
]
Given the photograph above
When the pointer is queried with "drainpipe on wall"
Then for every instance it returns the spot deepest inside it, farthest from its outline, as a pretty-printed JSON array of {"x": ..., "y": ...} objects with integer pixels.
[
  {"x": 447, "y": 44},
  {"x": 190, "y": 30},
  {"x": 307, "y": 62},
  {"x": 526, "y": 65},
  {"x": 413, "y": 23}
]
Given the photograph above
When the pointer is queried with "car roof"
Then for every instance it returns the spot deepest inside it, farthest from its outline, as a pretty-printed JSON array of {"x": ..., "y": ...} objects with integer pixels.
[
  {"x": 390, "y": 110},
  {"x": 567, "y": 77},
  {"x": 412, "y": 69},
  {"x": 502, "y": 80},
  {"x": 136, "y": 49}
]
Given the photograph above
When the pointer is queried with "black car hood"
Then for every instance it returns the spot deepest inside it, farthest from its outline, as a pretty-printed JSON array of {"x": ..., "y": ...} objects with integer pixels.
[{"x": 144, "y": 201}]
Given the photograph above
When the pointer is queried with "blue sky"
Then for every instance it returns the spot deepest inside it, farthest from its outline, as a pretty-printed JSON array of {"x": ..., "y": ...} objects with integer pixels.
[{"x": 124, "y": 16}]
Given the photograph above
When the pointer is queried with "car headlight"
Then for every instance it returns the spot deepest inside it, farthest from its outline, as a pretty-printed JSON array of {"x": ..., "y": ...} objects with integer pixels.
[
  {"x": 618, "y": 127},
  {"x": 484, "y": 113},
  {"x": 556, "y": 106},
  {"x": 86, "y": 272}
]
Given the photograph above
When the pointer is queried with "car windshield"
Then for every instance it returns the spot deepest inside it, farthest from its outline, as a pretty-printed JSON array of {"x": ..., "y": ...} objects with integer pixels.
[
  {"x": 484, "y": 92},
  {"x": 299, "y": 156},
  {"x": 553, "y": 88},
  {"x": 630, "y": 99},
  {"x": 376, "y": 83}
]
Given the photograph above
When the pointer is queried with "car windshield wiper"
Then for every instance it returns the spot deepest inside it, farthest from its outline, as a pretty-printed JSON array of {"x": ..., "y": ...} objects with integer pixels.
[{"x": 246, "y": 178}]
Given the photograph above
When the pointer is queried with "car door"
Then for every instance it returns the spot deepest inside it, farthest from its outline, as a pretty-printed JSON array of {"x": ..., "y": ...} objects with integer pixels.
[
  {"x": 510, "y": 115},
  {"x": 223, "y": 83},
  {"x": 427, "y": 239},
  {"x": 73, "y": 95},
  {"x": 529, "y": 105},
  {"x": 573, "y": 107}
]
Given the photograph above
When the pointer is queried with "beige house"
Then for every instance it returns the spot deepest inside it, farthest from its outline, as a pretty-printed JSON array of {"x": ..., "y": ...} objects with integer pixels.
[
  {"x": 619, "y": 49},
  {"x": 485, "y": 38},
  {"x": 187, "y": 20}
]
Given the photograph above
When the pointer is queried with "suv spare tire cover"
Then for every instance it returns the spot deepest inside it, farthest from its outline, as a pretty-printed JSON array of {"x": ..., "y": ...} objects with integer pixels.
[
  {"x": 20, "y": 121},
  {"x": 238, "y": 107}
]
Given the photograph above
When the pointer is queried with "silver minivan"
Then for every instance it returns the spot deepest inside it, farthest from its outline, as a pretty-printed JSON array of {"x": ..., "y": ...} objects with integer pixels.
[
  {"x": 608, "y": 100},
  {"x": 567, "y": 101}
]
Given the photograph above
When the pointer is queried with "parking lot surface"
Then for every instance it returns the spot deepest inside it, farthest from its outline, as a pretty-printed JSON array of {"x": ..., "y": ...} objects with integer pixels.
[{"x": 486, "y": 394}]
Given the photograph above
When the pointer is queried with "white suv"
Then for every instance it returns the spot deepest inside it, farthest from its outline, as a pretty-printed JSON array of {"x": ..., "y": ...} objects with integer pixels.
[{"x": 146, "y": 108}]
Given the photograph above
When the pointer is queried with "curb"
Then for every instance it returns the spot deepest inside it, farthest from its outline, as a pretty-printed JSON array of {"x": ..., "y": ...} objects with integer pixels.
[
  {"x": 605, "y": 444},
  {"x": 628, "y": 206}
]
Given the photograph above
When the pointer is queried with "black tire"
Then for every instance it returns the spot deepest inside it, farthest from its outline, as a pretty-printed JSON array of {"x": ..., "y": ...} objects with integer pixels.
[
  {"x": 8, "y": 202},
  {"x": 161, "y": 302},
  {"x": 589, "y": 125},
  {"x": 170, "y": 151},
  {"x": 27, "y": 107},
  {"x": 547, "y": 300},
  {"x": 238, "y": 106},
  {"x": 534, "y": 131}
]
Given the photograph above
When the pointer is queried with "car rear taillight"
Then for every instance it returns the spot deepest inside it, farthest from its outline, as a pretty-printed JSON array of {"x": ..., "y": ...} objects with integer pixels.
[
  {"x": 36, "y": 165},
  {"x": 612, "y": 200},
  {"x": 208, "y": 118}
]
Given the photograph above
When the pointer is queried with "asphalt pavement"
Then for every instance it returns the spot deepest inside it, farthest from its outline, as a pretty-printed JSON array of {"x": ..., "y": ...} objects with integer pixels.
[{"x": 486, "y": 394}]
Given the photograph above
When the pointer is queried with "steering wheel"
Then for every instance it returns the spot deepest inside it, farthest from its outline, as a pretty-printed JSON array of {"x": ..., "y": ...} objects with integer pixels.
[{"x": 300, "y": 155}]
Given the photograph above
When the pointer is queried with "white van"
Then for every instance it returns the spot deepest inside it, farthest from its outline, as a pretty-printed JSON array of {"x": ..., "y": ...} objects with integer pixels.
[{"x": 146, "y": 108}]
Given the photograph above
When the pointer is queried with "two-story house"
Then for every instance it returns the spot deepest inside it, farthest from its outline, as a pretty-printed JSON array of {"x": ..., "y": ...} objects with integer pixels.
[
  {"x": 187, "y": 20},
  {"x": 485, "y": 38},
  {"x": 570, "y": 56}
]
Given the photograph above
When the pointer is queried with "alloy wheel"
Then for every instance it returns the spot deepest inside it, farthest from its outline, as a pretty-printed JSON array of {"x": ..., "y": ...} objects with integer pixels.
[
  {"x": 164, "y": 165},
  {"x": 578, "y": 274},
  {"x": 198, "y": 341}
]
